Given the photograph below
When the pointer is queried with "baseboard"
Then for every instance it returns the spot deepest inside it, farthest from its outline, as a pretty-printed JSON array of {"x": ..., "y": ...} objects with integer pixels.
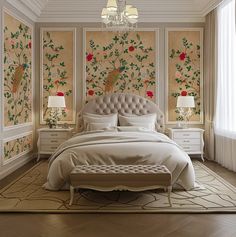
[{"x": 16, "y": 164}]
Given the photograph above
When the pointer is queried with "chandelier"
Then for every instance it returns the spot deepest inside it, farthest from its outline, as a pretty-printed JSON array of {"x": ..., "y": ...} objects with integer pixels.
[{"x": 119, "y": 16}]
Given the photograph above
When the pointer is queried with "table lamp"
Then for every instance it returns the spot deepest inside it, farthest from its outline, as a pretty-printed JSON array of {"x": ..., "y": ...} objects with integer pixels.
[
  {"x": 55, "y": 103},
  {"x": 184, "y": 106}
]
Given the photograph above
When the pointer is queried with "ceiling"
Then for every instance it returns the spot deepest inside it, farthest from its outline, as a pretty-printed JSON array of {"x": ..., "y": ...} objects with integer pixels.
[{"x": 90, "y": 10}]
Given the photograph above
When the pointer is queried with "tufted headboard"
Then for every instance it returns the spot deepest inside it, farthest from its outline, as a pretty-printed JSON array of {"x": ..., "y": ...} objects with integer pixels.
[{"x": 123, "y": 104}]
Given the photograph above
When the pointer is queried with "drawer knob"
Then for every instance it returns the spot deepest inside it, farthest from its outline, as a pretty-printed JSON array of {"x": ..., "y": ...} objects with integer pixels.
[
  {"x": 186, "y": 135},
  {"x": 53, "y": 141},
  {"x": 186, "y": 141}
]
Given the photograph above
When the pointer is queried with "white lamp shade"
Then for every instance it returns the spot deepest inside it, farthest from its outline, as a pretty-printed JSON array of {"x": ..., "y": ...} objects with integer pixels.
[
  {"x": 127, "y": 7},
  {"x": 56, "y": 102},
  {"x": 111, "y": 5},
  {"x": 104, "y": 13},
  {"x": 185, "y": 102},
  {"x": 132, "y": 12}
]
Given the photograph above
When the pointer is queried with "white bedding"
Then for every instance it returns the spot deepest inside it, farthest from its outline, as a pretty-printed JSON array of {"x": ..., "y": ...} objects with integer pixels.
[{"x": 119, "y": 147}]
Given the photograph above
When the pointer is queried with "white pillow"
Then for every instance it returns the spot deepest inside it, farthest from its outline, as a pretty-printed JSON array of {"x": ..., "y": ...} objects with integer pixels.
[
  {"x": 98, "y": 126},
  {"x": 147, "y": 120},
  {"x": 110, "y": 119},
  {"x": 147, "y": 126},
  {"x": 131, "y": 129}
]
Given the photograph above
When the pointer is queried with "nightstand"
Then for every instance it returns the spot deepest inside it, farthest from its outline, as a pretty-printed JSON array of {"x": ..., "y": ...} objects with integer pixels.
[
  {"x": 49, "y": 139},
  {"x": 190, "y": 139}
]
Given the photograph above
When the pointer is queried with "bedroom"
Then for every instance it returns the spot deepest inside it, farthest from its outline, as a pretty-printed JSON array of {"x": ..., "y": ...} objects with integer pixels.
[{"x": 154, "y": 91}]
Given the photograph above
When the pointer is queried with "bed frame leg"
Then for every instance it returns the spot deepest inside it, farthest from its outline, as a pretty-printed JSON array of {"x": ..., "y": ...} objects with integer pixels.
[
  {"x": 169, "y": 191},
  {"x": 72, "y": 192}
]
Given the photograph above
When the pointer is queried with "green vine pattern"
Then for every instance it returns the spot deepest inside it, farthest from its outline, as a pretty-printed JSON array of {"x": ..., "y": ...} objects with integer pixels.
[
  {"x": 187, "y": 75},
  {"x": 125, "y": 64},
  {"x": 17, "y": 146},
  {"x": 17, "y": 74},
  {"x": 55, "y": 73}
]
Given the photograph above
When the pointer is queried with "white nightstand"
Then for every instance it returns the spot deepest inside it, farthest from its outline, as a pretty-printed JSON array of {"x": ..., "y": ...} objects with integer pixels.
[
  {"x": 49, "y": 139},
  {"x": 191, "y": 139}
]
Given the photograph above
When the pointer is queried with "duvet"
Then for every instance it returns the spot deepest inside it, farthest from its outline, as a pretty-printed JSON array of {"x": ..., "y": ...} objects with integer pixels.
[{"x": 119, "y": 147}]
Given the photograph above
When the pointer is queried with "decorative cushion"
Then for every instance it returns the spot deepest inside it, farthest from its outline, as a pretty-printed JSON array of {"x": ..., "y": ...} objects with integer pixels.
[
  {"x": 146, "y": 121},
  {"x": 98, "y": 126},
  {"x": 102, "y": 121}
]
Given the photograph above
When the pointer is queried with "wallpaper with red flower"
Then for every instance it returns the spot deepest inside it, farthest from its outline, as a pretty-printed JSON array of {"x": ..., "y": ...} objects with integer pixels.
[
  {"x": 184, "y": 71},
  {"x": 17, "y": 71},
  {"x": 58, "y": 70},
  {"x": 121, "y": 62}
]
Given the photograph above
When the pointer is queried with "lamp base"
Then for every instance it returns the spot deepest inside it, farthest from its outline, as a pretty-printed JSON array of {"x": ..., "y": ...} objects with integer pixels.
[{"x": 181, "y": 126}]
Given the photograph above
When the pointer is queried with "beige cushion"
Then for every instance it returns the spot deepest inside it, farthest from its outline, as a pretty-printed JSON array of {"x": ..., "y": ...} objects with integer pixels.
[
  {"x": 95, "y": 121},
  {"x": 146, "y": 121}
]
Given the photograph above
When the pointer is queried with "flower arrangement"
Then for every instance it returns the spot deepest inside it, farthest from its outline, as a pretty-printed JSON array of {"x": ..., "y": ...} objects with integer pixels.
[{"x": 51, "y": 121}]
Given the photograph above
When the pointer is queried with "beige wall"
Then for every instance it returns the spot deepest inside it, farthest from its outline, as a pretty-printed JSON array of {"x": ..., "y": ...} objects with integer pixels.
[{"x": 79, "y": 57}]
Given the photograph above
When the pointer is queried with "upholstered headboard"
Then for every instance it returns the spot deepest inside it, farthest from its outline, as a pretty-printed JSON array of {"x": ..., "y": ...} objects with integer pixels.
[{"x": 123, "y": 104}]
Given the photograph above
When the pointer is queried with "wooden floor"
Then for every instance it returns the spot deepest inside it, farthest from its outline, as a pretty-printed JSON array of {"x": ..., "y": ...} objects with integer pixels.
[{"x": 127, "y": 225}]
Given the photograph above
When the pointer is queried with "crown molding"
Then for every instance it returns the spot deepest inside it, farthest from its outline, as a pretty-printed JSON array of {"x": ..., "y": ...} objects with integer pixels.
[
  {"x": 30, "y": 8},
  {"x": 77, "y": 11},
  {"x": 210, "y": 6},
  {"x": 23, "y": 9}
]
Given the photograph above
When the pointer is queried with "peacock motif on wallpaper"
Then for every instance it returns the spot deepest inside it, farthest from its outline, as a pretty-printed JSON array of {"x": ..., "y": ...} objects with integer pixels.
[
  {"x": 112, "y": 78},
  {"x": 121, "y": 62},
  {"x": 18, "y": 76},
  {"x": 17, "y": 72}
]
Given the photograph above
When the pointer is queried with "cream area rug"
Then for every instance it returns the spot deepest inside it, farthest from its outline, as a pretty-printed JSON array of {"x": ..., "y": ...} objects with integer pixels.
[{"x": 27, "y": 195}]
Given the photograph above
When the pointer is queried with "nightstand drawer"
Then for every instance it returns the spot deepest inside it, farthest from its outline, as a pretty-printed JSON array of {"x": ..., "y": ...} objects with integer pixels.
[
  {"x": 188, "y": 141},
  {"x": 54, "y": 134},
  {"x": 191, "y": 148},
  {"x": 48, "y": 148},
  {"x": 52, "y": 141},
  {"x": 178, "y": 135}
]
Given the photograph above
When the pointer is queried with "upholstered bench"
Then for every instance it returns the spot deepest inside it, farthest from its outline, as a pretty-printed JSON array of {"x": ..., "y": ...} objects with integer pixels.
[{"x": 120, "y": 177}]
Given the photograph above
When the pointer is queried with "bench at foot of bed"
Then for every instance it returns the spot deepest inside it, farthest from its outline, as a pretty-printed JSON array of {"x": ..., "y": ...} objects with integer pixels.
[{"x": 120, "y": 177}]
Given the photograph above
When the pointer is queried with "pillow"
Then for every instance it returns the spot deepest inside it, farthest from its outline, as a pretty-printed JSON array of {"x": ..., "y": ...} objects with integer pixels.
[
  {"x": 98, "y": 126},
  {"x": 110, "y": 120},
  {"x": 147, "y": 126},
  {"x": 147, "y": 120},
  {"x": 131, "y": 128}
]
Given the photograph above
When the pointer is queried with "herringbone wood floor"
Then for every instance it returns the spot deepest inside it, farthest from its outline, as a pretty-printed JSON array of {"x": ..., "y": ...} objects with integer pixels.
[{"x": 148, "y": 225}]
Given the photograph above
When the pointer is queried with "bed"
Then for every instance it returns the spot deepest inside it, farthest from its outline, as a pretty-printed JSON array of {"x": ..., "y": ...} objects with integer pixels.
[{"x": 140, "y": 140}]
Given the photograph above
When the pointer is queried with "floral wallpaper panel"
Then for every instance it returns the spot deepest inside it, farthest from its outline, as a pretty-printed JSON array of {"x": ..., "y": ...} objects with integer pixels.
[
  {"x": 184, "y": 71},
  {"x": 57, "y": 68},
  {"x": 17, "y": 147},
  {"x": 17, "y": 71},
  {"x": 121, "y": 62}
]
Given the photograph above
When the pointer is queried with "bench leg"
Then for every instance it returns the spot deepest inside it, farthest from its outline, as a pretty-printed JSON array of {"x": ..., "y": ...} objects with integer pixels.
[
  {"x": 169, "y": 191},
  {"x": 72, "y": 192}
]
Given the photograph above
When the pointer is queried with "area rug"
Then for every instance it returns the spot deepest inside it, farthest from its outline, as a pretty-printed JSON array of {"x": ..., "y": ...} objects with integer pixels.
[{"x": 27, "y": 195}]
